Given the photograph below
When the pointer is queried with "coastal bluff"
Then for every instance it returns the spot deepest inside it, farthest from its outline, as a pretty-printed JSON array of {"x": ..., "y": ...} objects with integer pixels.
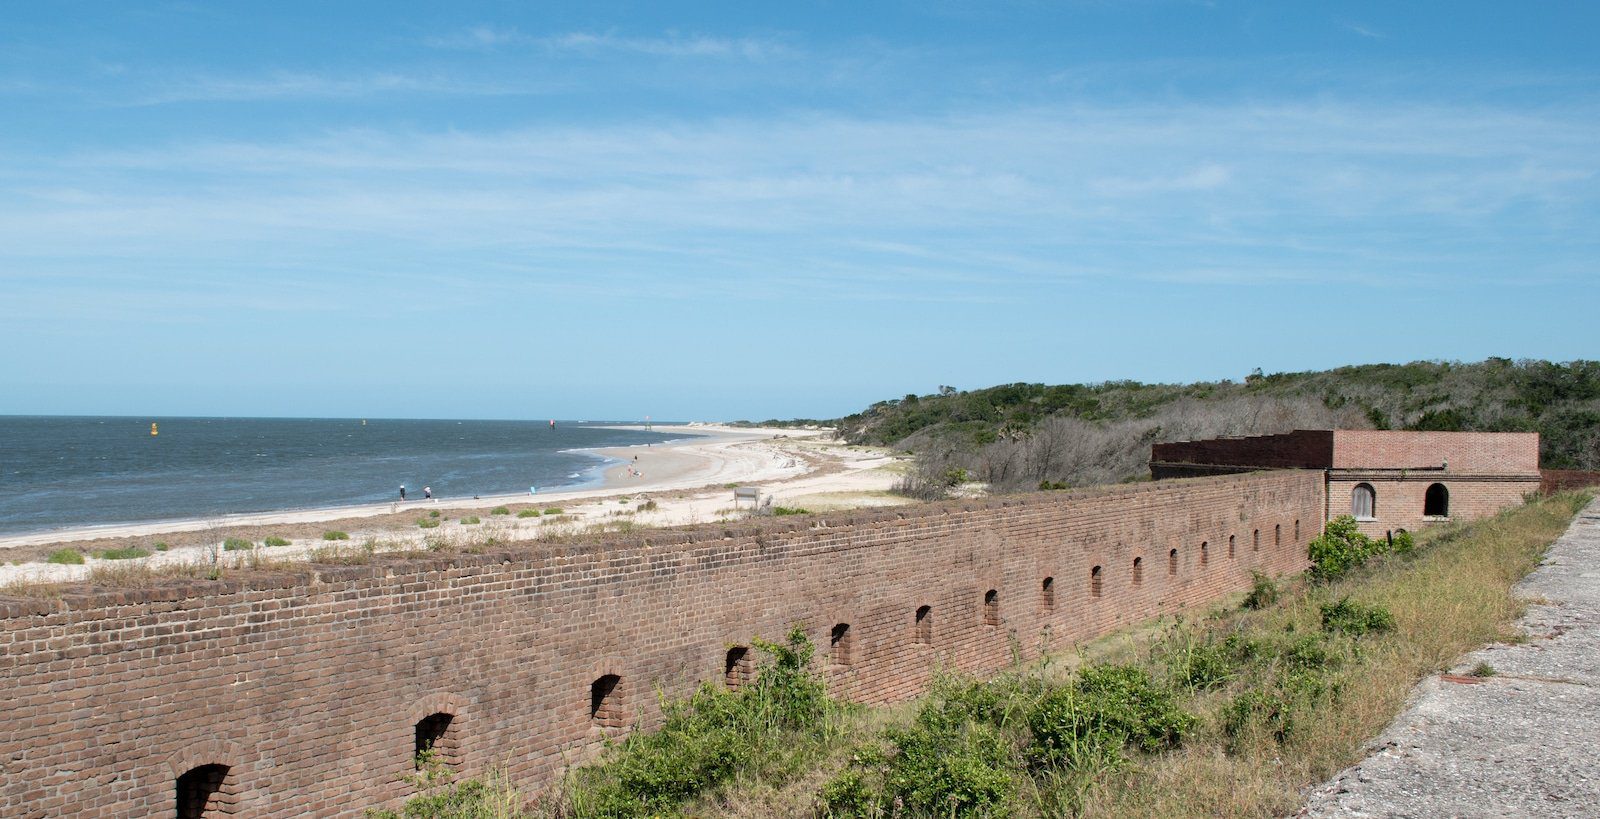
[{"x": 288, "y": 694}]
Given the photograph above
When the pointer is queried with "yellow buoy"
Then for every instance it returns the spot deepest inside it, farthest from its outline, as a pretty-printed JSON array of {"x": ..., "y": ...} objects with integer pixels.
[{"x": 153, "y": 430}]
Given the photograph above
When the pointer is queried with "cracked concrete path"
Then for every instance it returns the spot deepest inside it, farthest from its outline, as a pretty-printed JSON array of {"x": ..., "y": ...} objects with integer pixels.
[{"x": 1525, "y": 742}]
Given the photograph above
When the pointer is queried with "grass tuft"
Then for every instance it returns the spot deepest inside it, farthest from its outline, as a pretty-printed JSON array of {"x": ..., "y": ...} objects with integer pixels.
[
  {"x": 335, "y": 534},
  {"x": 71, "y": 557}
]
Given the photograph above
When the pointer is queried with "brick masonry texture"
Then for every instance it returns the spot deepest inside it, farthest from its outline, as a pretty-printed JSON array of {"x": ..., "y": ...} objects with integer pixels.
[
  {"x": 310, "y": 687},
  {"x": 1480, "y": 453}
]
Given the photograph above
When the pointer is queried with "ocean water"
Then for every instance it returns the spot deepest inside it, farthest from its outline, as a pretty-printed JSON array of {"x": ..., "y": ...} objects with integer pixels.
[{"x": 57, "y": 472}]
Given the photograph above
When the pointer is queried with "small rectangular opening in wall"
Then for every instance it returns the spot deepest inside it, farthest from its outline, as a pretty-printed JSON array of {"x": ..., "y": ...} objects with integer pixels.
[
  {"x": 1095, "y": 581},
  {"x": 1047, "y": 594},
  {"x": 991, "y": 608},
  {"x": 924, "y": 625},
  {"x": 1277, "y": 535},
  {"x": 1230, "y": 547},
  {"x": 1255, "y": 540},
  {"x": 202, "y": 793},
  {"x": 1205, "y": 552},
  {"x": 1296, "y": 530},
  {"x": 1172, "y": 563},
  {"x": 839, "y": 642},
  {"x": 431, "y": 740},
  {"x": 738, "y": 668},
  {"x": 605, "y": 701},
  {"x": 1138, "y": 570}
]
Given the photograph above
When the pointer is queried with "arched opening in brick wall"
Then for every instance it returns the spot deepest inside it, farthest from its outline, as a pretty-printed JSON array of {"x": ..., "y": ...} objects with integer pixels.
[
  {"x": 1047, "y": 594},
  {"x": 205, "y": 792},
  {"x": 1296, "y": 530},
  {"x": 1436, "y": 501},
  {"x": 839, "y": 644},
  {"x": 1363, "y": 502},
  {"x": 1255, "y": 540},
  {"x": 433, "y": 735},
  {"x": 991, "y": 608},
  {"x": 738, "y": 668},
  {"x": 1094, "y": 581},
  {"x": 1172, "y": 563},
  {"x": 924, "y": 625},
  {"x": 1230, "y": 547},
  {"x": 607, "y": 706},
  {"x": 1205, "y": 552},
  {"x": 1277, "y": 535},
  {"x": 1138, "y": 570}
]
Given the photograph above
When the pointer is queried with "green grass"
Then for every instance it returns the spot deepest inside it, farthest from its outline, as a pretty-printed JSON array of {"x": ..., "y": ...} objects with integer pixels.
[
  {"x": 162, "y": 546},
  {"x": 554, "y": 510},
  {"x": 335, "y": 534},
  {"x": 66, "y": 556},
  {"x": 528, "y": 513},
  {"x": 428, "y": 523},
  {"x": 790, "y": 510},
  {"x": 470, "y": 521},
  {"x": 433, "y": 514},
  {"x": 236, "y": 544},
  {"x": 275, "y": 541},
  {"x": 126, "y": 553},
  {"x": 500, "y": 510}
]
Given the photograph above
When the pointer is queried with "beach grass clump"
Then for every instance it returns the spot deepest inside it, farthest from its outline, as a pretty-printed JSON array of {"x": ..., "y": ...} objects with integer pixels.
[
  {"x": 433, "y": 513},
  {"x": 70, "y": 557},
  {"x": 335, "y": 534},
  {"x": 647, "y": 506},
  {"x": 125, "y": 553},
  {"x": 554, "y": 510},
  {"x": 790, "y": 510},
  {"x": 162, "y": 546},
  {"x": 144, "y": 575},
  {"x": 275, "y": 541},
  {"x": 236, "y": 544},
  {"x": 471, "y": 521},
  {"x": 341, "y": 554},
  {"x": 428, "y": 523},
  {"x": 528, "y": 513},
  {"x": 500, "y": 510}
]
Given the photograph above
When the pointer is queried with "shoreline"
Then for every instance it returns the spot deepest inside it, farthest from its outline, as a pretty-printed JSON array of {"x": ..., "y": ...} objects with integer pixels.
[{"x": 607, "y": 478}]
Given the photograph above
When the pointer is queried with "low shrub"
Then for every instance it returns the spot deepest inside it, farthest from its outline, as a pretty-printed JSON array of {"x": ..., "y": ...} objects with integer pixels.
[
  {"x": 528, "y": 513},
  {"x": 428, "y": 523},
  {"x": 790, "y": 510},
  {"x": 1355, "y": 619},
  {"x": 647, "y": 506},
  {"x": 335, "y": 534},
  {"x": 1263, "y": 592},
  {"x": 161, "y": 546},
  {"x": 1105, "y": 708},
  {"x": 554, "y": 510},
  {"x": 433, "y": 513},
  {"x": 470, "y": 521},
  {"x": 1404, "y": 543},
  {"x": 236, "y": 544},
  {"x": 1341, "y": 547},
  {"x": 126, "y": 553},
  {"x": 500, "y": 510},
  {"x": 275, "y": 541},
  {"x": 66, "y": 556}
]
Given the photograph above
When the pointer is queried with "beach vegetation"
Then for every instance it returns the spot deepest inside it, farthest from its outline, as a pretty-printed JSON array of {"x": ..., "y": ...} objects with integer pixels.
[
  {"x": 335, "y": 534},
  {"x": 236, "y": 544},
  {"x": 275, "y": 541},
  {"x": 433, "y": 513},
  {"x": 500, "y": 510},
  {"x": 472, "y": 520},
  {"x": 66, "y": 556},
  {"x": 554, "y": 510},
  {"x": 162, "y": 546},
  {"x": 647, "y": 506},
  {"x": 1483, "y": 670},
  {"x": 428, "y": 523},
  {"x": 528, "y": 513},
  {"x": 790, "y": 510},
  {"x": 344, "y": 554},
  {"x": 124, "y": 553}
]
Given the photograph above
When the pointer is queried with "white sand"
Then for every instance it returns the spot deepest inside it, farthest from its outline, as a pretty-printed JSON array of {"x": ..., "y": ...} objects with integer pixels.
[{"x": 791, "y": 467}]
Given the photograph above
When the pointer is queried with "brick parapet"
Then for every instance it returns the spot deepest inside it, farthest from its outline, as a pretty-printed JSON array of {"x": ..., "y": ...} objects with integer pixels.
[{"x": 312, "y": 682}]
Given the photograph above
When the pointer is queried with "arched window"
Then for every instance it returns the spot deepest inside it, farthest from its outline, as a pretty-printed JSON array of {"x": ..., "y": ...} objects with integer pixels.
[
  {"x": 1138, "y": 570},
  {"x": 738, "y": 668},
  {"x": 991, "y": 608},
  {"x": 1255, "y": 540},
  {"x": 1172, "y": 563},
  {"x": 1436, "y": 502},
  {"x": 203, "y": 792},
  {"x": 925, "y": 625},
  {"x": 1230, "y": 546},
  {"x": 606, "y": 706},
  {"x": 1047, "y": 594},
  {"x": 1094, "y": 582},
  {"x": 1277, "y": 535},
  {"x": 839, "y": 644},
  {"x": 1205, "y": 553},
  {"x": 432, "y": 734}
]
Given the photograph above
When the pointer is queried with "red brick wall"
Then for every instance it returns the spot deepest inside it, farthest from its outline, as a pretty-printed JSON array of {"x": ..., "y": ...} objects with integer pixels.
[
  {"x": 1301, "y": 449},
  {"x": 1557, "y": 480},
  {"x": 1400, "y": 501},
  {"x": 309, "y": 687},
  {"x": 1484, "y": 453}
]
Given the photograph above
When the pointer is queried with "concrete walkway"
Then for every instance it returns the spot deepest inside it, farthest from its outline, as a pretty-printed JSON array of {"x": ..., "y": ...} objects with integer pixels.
[{"x": 1525, "y": 742}]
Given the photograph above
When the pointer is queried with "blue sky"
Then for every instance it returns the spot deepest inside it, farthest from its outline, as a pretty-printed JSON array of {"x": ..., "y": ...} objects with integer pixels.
[{"x": 706, "y": 211}]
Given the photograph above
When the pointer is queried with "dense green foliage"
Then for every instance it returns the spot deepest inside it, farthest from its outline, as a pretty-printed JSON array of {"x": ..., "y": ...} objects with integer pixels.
[
  {"x": 1341, "y": 547},
  {"x": 125, "y": 553},
  {"x": 1561, "y": 401}
]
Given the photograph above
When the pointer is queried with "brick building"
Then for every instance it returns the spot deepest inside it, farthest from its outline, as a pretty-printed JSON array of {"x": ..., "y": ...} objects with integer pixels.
[{"x": 1388, "y": 480}]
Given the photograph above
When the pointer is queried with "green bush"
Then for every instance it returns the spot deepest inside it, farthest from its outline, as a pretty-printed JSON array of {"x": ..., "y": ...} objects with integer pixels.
[
  {"x": 428, "y": 523},
  {"x": 1340, "y": 548},
  {"x": 433, "y": 513},
  {"x": 161, "y": 546},
  {"x": 790, "y": 510},
  {"x": 1263, "y": 592},
  {"x": 126, "y": 553},
  {"x": 275, "y": 541},
  {"x": 1105, "y": 708},
  {"x": 1355, "y": 619},
  {"x": 647, "y": 506},
  {"x": 335, "y": 534},
  {"x": 1404, "y": 544},
  {"x": 554, "y": 510},
  {"x": 500, "y": 510},
  {"x": 528, "y": 513},
  {"x": 470, "y": 521},
  {"x": 237, "y": 544},
  {"x": 66, "y": 556}
]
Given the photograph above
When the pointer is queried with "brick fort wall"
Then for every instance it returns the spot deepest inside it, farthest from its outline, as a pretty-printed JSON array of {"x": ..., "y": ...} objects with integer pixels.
[{"x": 306, "y": 693}]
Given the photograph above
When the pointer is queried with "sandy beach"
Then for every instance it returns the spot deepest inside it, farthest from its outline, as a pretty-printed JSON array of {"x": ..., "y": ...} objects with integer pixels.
[{"x": 679, "y": 482}]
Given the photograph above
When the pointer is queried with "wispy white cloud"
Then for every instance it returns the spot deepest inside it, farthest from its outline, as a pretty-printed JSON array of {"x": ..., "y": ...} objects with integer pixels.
[
  {"x": 668, "y": 44},
  {"x": 292, "y": 85},
  {"x": 1365, "y": 31}
]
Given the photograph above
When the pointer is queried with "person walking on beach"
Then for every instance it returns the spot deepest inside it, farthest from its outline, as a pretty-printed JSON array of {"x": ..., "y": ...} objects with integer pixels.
[
  {"x": 402, "y": 491},
  {"x": 427, "y": 492}
]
